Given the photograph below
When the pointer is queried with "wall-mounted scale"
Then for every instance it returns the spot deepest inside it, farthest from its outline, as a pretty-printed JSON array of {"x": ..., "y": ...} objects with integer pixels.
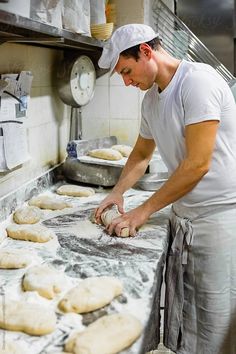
[{"x": 76, "y": 83}]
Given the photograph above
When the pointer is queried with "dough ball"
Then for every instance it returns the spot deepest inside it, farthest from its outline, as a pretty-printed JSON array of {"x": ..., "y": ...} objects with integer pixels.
[
  {"x": 108, "y": 215},
  {"x": 46, "y": 280},
  {"x": 75, "y": 191},
  {"x": 35, "y": 233},
  {"x": 46, "y": 202},
  {"x": 27, "y": 317},
  {"x": 14, "y": 258},
  {"x": 106, "y": 154},
  {"x": 125, "y": 150},
  {"x": 109, "y": 334},
  {"x": 91, "y": 294},
  {"x": 27, "y": 215}
]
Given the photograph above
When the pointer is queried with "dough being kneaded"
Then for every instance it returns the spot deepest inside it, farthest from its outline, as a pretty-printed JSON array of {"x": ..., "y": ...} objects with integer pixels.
[
  {"x": 108, "y": 215},
  {"x": 46, "y": 202},
  {"x": 27, "y": 317},
  {"x": 44, "y": 279},
  {"x": 35, "y": 233},
  {"x": 27, "y": 215},
  {"x": 75, "y": 191},
  {"x": 125, "y": 150},
  {"x": 106, "y": 154},
  {"x": 91, "y": 294},
  {"x": 109, "y": 334},
  {"x": 14, "y": 258}
]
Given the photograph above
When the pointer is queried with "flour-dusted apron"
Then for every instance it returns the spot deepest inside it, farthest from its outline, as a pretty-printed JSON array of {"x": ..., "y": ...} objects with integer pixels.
[{"x": 200, "y": 302}]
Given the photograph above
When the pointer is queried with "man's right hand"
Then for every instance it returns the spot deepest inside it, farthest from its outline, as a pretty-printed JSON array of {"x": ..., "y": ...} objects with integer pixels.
[{"x": 114, "y": 198}]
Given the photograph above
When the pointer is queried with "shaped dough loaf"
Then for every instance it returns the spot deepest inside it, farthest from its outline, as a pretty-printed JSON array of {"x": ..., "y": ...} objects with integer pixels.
[
  {"x": 46, "y": 202},
  {"x": 35, "y": 233},
  {"x": 109, "y": 334},
  {"x": 27, "y": 215},
  {"x": 14, "y": 258},
  {"x": 125, "y": 150},
  {"x": 45, "y": 280},
  {"x": 27, "y": 317},
  {"x": 75, "y": 191},
  {"x": 108, "y": 215},
  {"x": 91, "y": 294},
  {"x": 106, "y": 154}
]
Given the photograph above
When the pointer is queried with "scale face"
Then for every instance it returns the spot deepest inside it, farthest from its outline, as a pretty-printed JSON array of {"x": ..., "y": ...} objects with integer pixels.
[{"x": 82, "y": 80}]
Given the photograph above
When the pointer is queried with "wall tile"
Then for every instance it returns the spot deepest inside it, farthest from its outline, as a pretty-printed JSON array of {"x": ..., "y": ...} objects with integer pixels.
[
  {"x": 123, "y": 103},
  {"x": 103, "y": 80},
  {"x": 95, "y": 127},
  {"x": 116, "y": 80},
  {"x": 126, "y": 131},
  {"x": 99, "y": 105}
]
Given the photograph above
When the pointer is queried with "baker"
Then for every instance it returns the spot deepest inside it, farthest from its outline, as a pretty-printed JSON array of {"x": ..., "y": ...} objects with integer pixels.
[{"x": 189, "y": 114}]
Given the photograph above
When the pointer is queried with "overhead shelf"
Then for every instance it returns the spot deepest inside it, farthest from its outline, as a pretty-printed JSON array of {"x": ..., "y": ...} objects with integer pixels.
[{"x": 18, "y": 29}]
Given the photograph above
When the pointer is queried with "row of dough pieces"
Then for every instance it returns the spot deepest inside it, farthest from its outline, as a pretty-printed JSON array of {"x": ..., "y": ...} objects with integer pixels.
[
  {"x": 91, "y": 294},
  {"x": 114, "y": 153},
  {"x": 46, "y": 281},
  {"x": 32, "y": 214}
]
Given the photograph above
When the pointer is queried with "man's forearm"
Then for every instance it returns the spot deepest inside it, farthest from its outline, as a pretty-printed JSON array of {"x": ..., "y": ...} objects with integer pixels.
[
  {"x": 132, "y": 171},
  {"x": 181, "y": 182}
]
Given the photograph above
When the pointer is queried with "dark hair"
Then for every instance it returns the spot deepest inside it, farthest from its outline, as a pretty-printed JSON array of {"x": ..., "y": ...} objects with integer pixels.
[{"x": 134, "y": 51}]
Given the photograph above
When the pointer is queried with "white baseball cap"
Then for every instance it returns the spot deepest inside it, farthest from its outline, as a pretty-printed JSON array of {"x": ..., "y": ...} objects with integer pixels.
[{"x": 124, "y": 37}]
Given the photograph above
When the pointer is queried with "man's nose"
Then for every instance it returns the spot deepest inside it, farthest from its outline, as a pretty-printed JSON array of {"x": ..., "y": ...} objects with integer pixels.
[{"x": 127, "y": 81}]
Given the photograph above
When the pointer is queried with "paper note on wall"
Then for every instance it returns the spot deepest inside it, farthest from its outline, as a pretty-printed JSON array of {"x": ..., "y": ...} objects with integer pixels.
[
  {"x": 15, "y": 144},
  {"x": 14, "y": 97}
]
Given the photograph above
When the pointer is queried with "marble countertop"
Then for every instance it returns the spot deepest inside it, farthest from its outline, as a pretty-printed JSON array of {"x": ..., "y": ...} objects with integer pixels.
[{"x": 83, "y": 249}]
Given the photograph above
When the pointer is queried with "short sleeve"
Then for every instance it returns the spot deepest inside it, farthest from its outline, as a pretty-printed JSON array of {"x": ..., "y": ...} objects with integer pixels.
[
  {"x": 144, "y": 127},
  {"x": 202, "y": 93}
]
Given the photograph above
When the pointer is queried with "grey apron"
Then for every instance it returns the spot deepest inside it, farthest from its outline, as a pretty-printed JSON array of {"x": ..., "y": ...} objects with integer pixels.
[{"x": 200, "y": 300}]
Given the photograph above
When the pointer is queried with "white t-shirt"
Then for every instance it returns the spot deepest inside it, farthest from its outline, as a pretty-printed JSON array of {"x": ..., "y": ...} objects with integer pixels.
[{"x": 196, "y": 93}]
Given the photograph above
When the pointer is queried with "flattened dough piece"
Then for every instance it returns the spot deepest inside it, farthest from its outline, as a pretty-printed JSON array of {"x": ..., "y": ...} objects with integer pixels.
[
  {"x": 75, "y": 191},
  {"x": 46, "y": 280},
  {"x": 91, "y": 294},
  {"x": 125, "y": 150},
  {"x": 108, "y": 335},
  {"x": 106, "y": 154},
  {"x": 108, "y": 215},
  {"x": 46, "y": 202},
  {"x": 35, "y": 233},
  {"x": 27, "y": 215},
  {"x": 14, "y": 258},
  {"x": 27, "y": 317}
]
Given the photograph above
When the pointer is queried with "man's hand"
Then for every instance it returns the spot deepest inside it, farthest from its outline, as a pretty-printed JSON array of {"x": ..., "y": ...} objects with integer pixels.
[
  {"x": 133, "y": 219},
  {"x": 114, "y": 198}
]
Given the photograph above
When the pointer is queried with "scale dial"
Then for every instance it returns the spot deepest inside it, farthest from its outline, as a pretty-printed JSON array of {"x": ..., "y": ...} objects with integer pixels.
[{"x": 82, "y": 80}]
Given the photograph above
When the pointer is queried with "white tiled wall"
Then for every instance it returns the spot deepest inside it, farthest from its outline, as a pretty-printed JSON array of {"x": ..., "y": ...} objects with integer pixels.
[
  {"x": 114, "y": 110},
  {"x": 47, "y": 117}
]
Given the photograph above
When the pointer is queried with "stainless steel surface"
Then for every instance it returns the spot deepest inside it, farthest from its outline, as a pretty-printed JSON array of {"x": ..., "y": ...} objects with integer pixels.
[
  {"x": 15, "y": 28},
  {"x": 152, "y": 181},
  {"x": 212, "y": 21},
  {"x": 182, "y": 43},
  {"x": 75, "y": 170}
]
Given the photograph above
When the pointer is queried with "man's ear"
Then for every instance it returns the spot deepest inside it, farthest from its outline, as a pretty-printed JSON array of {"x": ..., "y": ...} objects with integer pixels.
[{"x": 146, "y": 50}]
